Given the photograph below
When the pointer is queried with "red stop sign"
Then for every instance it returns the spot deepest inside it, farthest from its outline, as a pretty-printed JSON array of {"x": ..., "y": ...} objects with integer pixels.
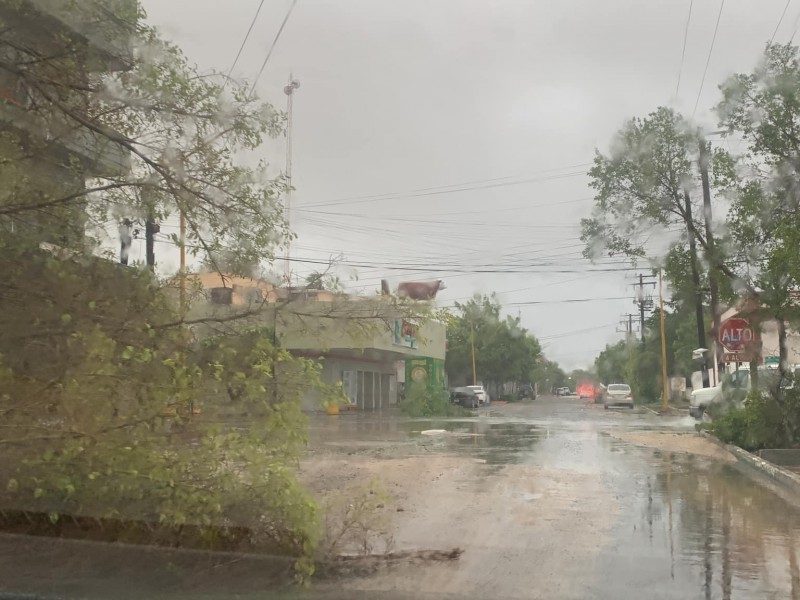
[{"x": 735, "y": 334}]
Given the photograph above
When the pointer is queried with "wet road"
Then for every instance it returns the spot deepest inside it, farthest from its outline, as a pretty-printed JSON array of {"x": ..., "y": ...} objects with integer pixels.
[
  {"x": 551, "y": 499},
  {"x": 557, "y": 499}
]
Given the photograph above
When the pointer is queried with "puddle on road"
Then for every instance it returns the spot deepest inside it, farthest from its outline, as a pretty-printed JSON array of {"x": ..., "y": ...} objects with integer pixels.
[
  {"x": 689, "y": 525},
  {"x": 697, "y": 527}
]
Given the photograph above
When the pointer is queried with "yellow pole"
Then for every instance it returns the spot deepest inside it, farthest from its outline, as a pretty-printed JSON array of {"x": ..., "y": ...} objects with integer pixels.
[
  {"x": 474, "y": 372},
  {"x": 663, "y": 344}
]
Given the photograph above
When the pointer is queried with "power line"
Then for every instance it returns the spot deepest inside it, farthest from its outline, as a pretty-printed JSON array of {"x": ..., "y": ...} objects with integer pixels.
[
  {"x": 708, "y": 60},
  {"x": 783, "y": 14},
  {"x": 462, "y": 270},
  {"x": 794, "y": 28},
  {"x": 574, "y": 332},
  {"x": 272, "y": 46},
  {"x": 244, "y": 41},
  {"x": 683, "y": 52},
  {"x": 456, "y": 187}
]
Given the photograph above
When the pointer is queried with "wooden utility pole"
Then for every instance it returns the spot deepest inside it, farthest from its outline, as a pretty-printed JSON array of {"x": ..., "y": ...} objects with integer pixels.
[
  {"x": 663, "y": 342},
  {"x": 711, "y": 251},
  {"x": 643, "y": 302}
]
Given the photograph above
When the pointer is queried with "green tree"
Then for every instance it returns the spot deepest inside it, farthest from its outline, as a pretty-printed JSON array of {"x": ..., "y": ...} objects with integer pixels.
[
  {"x": 641, "y": 187},
  {"x": 613, "y": 363},
  {"x": 504, "y": 350},
  {"x": 548, "y": 375},
  {"x": 182, "y": 133},
  {"x": 764, "y": 108},
  {"x": 115, "y": 405}
]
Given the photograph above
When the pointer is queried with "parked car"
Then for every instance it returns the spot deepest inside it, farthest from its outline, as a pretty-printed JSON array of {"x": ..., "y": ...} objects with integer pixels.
[
  {"x": 599, "y": 394},
  {"x": 732, "y": 391},
  {"x": 465, "y": 396},
  {"x": 562, "y": 391},
  {"x": 483, "y": 396},
  {"x": 527, "y": 391},
  {"x": 618, "y": 394}
]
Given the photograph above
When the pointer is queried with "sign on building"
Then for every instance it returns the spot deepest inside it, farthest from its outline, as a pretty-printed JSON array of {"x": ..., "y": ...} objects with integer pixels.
[
  {"x": 424, "y": 371},
  {"x": 404, "y": 334}
]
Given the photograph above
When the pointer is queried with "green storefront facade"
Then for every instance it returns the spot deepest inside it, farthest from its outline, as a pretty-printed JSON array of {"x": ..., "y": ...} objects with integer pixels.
[{"x": 424, "y": 370}]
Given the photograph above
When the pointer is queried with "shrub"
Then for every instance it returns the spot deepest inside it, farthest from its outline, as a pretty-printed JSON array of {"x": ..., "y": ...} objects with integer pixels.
[
  {"x": 765, "y": 421},
  {"x": 430, "y": 402}
]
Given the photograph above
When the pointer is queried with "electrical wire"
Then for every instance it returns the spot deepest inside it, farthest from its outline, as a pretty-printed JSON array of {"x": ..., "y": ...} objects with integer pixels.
[
  {"x": 683, "y": 52},
  {"x": 794, "y": 27},
  {"x": 272, "y": 46},
  {"x": 708, "y": 60},
  {"x": 783, "y": 14},
  {"x": 480, "y": 184},
  {"x": 574, "y": 332},
  {"x": 244, "y": 41}
]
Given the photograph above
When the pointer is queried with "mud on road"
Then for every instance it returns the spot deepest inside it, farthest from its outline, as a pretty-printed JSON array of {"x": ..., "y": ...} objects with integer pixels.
[{"x": 557, "y": 499}]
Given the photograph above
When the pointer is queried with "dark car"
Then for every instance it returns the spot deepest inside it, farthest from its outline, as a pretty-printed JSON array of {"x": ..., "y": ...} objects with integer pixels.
[
  {"x": 465, "y": 396},
  {"x": 527, "y": 391}
]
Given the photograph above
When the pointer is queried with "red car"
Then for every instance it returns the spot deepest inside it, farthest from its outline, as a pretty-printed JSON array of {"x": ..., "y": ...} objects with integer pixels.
[{"x": 586, "y": 391}]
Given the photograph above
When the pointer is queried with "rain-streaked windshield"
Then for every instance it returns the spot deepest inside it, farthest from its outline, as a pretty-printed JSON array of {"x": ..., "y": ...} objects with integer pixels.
[{"x": 411, "y": 299}]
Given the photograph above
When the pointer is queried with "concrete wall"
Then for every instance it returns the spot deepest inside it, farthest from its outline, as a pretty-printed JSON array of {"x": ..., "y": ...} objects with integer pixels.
[
  {"x": 354, "y": 324},
  {"x": 353, "y": 337}
]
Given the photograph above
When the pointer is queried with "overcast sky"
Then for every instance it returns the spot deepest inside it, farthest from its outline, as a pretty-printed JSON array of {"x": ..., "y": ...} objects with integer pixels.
[{"x": 469, "y": 126}]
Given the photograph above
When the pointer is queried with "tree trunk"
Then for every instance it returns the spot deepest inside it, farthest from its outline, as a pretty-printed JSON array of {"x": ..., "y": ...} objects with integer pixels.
[
  {"x": 698, "y": 295},
  {"x": 782, "y": 348},
  {"x": 754, "y": 373}
]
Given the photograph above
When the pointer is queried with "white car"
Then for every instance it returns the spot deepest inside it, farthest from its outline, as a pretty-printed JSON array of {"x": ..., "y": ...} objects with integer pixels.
[
  {"x": 481, "y": 393},
  {"x": 618, "y": 394}
]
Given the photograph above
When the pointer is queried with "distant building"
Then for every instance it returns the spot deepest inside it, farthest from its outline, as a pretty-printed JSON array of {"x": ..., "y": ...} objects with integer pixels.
[
  {"x": 362, "y": 341},
  {"x": 48, "y": 155}
]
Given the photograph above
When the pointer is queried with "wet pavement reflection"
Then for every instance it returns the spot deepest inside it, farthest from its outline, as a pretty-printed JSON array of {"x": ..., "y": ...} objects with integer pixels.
[{"x": 685, "y": 525}]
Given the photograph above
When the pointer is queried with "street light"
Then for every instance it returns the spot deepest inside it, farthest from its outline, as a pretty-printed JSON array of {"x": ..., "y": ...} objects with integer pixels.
[{"x": 289, "y": 90}]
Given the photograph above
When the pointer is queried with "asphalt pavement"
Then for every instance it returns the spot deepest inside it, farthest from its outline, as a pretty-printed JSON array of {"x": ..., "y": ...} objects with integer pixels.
[
  {"x": 554, "y": 498},
  {"x": 558, "y": 498}
]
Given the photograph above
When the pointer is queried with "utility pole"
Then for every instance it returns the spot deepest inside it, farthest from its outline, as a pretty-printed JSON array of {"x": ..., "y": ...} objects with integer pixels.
[
  {"x": 698, "y": 293},
  {"x": 711, "y": 250},
  {"x": 663, "y": 343},
  {"x": 642, "y": 301},
  {"x": 289, "y": 90},
  {"x": 627, "y": 324}
]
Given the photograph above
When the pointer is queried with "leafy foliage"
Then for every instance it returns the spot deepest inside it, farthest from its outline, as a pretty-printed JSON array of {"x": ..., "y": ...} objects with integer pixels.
[
  {"x": 114, "y": 411},
  {"x": 107, "y": 415},
  {"x": 548, "y": 375},
  {"x": 761, "y": 423},
  {"x": 640, "y": 186},
  {"x": 169, "y": 140},
  {"x": 428, "y": 401},
  {"x": 504, "y": 350}
]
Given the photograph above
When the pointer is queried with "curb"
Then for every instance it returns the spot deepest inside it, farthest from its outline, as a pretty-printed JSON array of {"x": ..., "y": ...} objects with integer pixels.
[{"x": 782, "y": 480}]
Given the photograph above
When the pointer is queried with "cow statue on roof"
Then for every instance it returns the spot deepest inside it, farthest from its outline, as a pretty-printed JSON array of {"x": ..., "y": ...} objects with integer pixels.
[{"x": 415, "y": 290}]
